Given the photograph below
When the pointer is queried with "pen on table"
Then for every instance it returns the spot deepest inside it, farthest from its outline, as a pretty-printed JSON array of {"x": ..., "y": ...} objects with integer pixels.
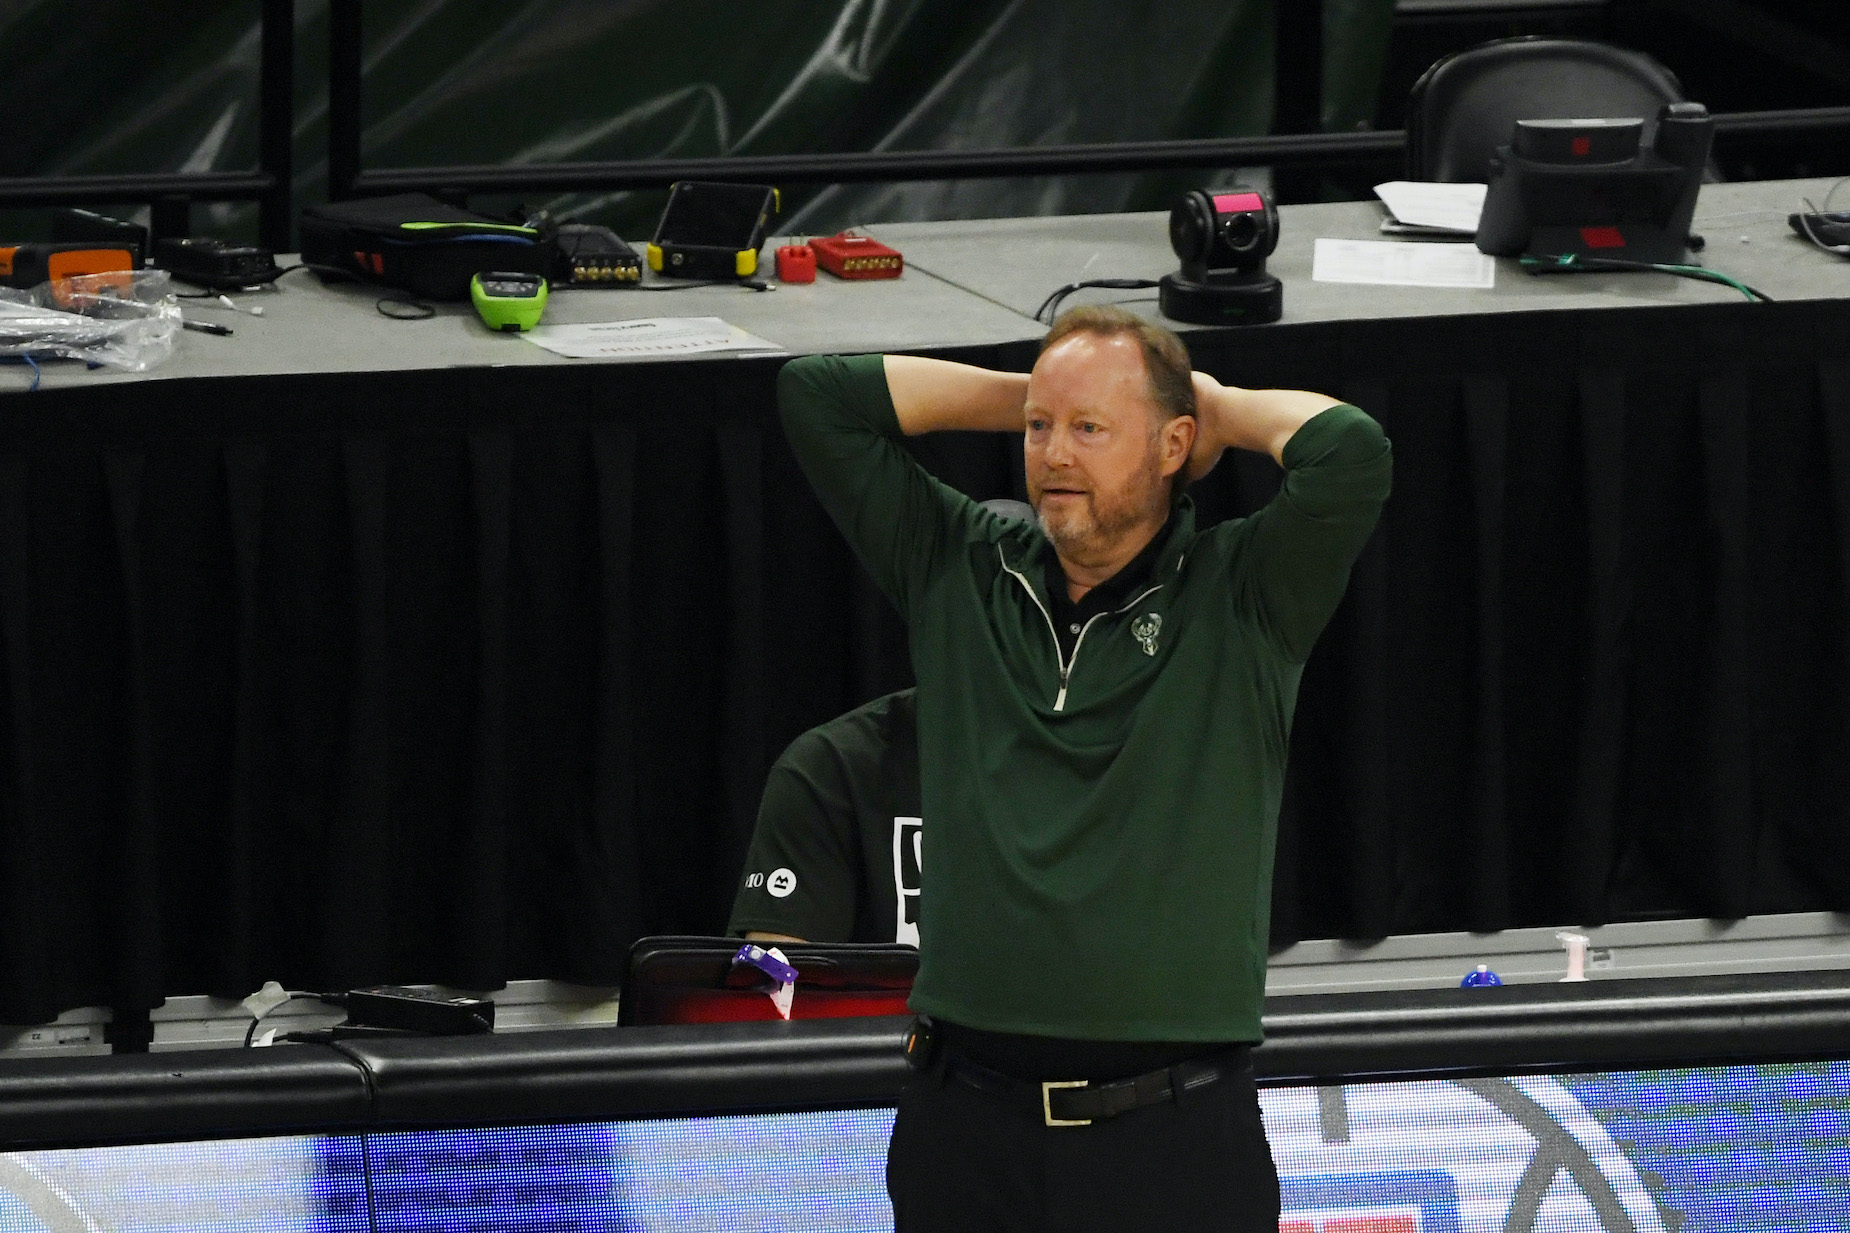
[{"x": 207, "y": 327}]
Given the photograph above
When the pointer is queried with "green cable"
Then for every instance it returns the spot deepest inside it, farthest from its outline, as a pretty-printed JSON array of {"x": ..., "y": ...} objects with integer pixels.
[
  {"x": 1714, "y": 276},
  {"x": 1572, "y": 263}
]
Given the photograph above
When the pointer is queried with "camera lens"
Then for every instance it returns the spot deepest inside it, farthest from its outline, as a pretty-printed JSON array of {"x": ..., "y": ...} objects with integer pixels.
[{"x": 1241, "y": 231}]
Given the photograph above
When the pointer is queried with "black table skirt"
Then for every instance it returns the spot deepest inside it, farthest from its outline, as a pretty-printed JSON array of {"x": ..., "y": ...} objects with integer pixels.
[{"x": 467, "y": 675}]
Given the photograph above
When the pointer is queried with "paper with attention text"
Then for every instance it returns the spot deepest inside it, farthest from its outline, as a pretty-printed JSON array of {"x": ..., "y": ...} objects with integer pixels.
[
  {"x": 1400, "y": 264},
  {"x": 648, "y": 338}
]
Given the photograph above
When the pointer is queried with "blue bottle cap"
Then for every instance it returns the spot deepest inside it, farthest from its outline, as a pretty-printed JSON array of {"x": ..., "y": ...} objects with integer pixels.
[{"x": 1479, "y": 979}]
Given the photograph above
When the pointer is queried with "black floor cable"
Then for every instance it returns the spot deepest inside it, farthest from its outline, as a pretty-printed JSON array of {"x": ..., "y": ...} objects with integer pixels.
[
  {"x": 1051, "y": 304},
  {"x": 749, "y": 284},
  {"x": 1804, "y": 221},
  {"x": 367, "y": 1078},
  {"x": 366, "y": 1152},
  {"x": 366, "y": 1173},
  {"x": 420, "y": 311},
  {"x": 248, "y": 284},
  {"x": 330, "y": 999}
]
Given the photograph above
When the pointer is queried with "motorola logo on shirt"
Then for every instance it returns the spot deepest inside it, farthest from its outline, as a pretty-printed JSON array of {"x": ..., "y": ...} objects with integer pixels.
[{"x": 908, "y": 859}]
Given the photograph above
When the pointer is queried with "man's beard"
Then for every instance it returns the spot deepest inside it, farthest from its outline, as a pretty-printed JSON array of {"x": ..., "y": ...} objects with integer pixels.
[{"x": 1089, "y": 530}]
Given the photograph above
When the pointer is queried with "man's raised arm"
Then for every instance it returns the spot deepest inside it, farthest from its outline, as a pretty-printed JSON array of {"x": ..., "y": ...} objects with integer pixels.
[
  {"x": 844, "y": 417},
  {"x": 1263, "y": 421},
  {"x": 938, "y": 396},
  {"x": 1338, "y": 470}
]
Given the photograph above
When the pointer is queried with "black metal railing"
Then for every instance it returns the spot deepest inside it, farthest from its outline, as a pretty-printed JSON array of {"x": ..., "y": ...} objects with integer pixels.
[
  {"x": 1805, "y": 123},
  {"x": 1308, "y": 150}
]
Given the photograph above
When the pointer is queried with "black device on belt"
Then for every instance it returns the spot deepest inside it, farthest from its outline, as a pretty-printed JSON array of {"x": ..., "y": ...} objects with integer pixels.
[{"x": 921, "y": 1044}]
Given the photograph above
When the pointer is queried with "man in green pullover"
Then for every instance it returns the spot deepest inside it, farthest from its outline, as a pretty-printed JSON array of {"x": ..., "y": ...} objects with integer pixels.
[{"x": 1104, "y": 705}]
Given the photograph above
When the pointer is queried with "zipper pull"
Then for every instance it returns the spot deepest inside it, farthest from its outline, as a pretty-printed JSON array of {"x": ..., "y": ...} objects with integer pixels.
[{"x": 1059, "y": 702}]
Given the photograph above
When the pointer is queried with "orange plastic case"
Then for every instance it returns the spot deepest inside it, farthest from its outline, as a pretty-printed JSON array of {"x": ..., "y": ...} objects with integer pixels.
[
  {"x": 28, "y": 265},
  {"x": 857, "y": 257}
]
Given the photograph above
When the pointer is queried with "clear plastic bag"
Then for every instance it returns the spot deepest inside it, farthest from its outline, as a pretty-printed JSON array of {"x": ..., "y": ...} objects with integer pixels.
[{"x": 126, "y": 320}]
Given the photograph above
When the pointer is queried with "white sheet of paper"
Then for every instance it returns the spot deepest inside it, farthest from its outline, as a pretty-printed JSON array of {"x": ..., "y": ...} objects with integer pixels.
[
  {"x": 1452, "y": 207},
  {"x": 785, "y": 995},
  {"x": 1397, "y": 264},
  {"x": 647, "y": 338}
]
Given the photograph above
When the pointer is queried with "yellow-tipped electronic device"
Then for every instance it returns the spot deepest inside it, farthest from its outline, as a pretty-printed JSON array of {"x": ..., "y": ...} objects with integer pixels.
[{"x": 711, "y": 230}]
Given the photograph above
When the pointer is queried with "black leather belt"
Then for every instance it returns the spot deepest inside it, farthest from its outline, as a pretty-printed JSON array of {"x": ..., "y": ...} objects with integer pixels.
[{"x": 1079, "y": 1102}]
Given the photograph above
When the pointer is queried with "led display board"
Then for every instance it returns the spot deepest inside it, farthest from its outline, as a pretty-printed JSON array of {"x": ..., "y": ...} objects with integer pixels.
[{"x": 1713, "y": 1150}]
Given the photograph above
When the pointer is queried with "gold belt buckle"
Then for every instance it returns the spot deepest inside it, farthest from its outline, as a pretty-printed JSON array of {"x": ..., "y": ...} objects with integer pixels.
[{"x": 1047, "y": 1087}]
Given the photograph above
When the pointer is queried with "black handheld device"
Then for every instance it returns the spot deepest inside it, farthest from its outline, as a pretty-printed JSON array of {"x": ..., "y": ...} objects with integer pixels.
[
  {"x": 1222, "y": 237},
  {"x": 711, "y": 230},
  {"x": 75, "y": 224}
]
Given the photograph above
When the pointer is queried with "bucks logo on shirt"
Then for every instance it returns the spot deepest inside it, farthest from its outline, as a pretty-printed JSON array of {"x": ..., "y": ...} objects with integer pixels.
[{"x": 838, "y": 849}]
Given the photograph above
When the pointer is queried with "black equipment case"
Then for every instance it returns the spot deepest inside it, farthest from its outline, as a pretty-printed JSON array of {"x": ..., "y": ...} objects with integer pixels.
[{"x": 418, "y": 244}]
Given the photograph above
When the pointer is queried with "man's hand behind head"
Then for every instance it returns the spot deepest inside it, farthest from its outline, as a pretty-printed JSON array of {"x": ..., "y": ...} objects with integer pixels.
[{"x": 1258, "y": 420}]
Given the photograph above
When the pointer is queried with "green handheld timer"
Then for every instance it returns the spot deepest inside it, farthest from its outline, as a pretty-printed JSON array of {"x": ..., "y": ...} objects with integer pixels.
[{"x": 508, "y": 301}]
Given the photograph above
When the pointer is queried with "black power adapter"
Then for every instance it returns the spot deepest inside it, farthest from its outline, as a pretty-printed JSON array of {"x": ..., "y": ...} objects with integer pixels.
[
  {"x": 403, "y": 1009},
  {"x": 215, "y": 265}
]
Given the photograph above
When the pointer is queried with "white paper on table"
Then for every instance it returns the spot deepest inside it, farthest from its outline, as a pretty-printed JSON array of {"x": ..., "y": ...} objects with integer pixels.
[
  {"x": 1444, "y": 207},
  {"x": 1391, "y": 264},
  {"x": 647, "y": 338}
]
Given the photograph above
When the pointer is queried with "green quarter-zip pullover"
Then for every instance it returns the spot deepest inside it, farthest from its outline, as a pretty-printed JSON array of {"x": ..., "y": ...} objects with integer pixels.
[{"x": 1102, "y": 821}]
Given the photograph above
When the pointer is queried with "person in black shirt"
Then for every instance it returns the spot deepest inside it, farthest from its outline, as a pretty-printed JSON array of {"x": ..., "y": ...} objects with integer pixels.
[{"x": 835, "y": 854}]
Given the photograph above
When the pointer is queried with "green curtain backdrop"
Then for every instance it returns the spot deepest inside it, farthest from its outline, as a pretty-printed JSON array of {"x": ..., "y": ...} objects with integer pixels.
[{"x": 164, "y": 86}]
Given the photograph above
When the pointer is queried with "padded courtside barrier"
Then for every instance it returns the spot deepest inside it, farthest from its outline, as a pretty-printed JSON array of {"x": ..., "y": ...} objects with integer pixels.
[{"x": 610, "y": 1074}]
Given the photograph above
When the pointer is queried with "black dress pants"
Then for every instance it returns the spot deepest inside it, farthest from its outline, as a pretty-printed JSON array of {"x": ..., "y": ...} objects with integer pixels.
[{"x": 967, "y": 1161}]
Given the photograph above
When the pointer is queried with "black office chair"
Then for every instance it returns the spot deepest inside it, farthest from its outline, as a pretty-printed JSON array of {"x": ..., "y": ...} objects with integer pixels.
[{"x": 1467, "y": 104}]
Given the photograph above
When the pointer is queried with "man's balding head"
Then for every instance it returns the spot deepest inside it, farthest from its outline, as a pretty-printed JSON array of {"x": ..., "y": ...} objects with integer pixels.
[
  {"x": 1165, "y": 360},
  {"x": 1110, "y": 419}
]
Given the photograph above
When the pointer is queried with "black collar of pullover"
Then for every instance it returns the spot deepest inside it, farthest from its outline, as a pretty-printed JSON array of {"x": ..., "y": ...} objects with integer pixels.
[{"x": 1108, "y": 596}]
